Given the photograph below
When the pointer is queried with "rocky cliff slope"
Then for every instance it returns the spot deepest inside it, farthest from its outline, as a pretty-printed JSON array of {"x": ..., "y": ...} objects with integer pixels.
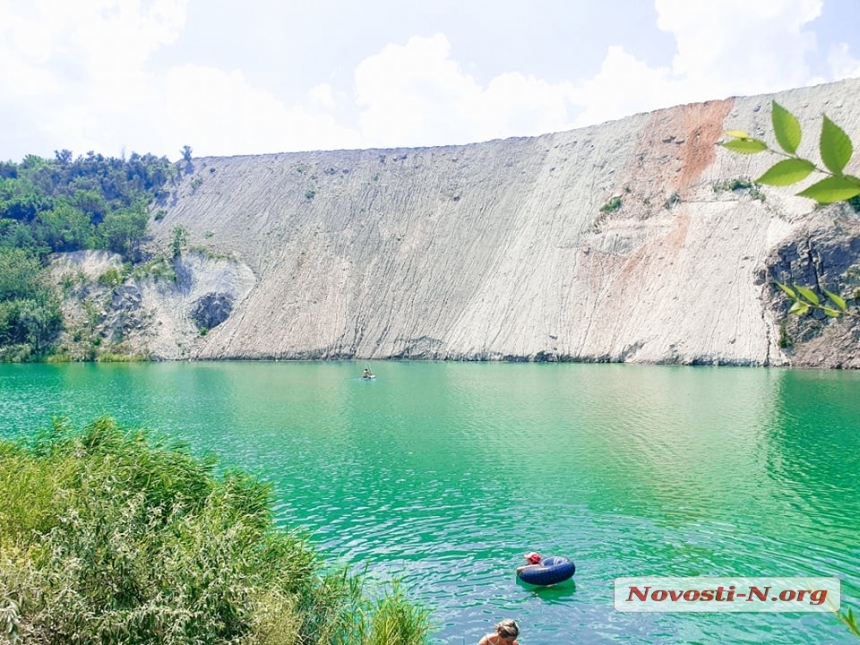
[{"x": 630, "y": 241}]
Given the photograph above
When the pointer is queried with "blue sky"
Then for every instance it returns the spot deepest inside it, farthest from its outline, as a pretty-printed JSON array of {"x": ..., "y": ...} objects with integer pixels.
[{"x": 258, "y": 76}]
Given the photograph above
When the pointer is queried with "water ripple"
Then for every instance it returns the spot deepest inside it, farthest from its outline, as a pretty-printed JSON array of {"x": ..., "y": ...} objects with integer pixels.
[{"x": 443, "y": 475}]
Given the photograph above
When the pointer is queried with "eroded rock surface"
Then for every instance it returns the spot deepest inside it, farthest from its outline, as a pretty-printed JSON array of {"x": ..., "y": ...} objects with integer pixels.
[
  {"x": 160, "y": 314},
  {"x": 620, "y": 242}
]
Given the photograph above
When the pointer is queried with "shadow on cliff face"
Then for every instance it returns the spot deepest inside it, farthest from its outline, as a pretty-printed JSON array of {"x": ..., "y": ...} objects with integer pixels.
[{"x": 211, "y": 310}]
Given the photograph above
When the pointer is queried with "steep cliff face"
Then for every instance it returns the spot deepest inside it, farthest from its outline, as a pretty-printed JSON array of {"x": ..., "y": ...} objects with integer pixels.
[{"x": 620, "y": 242}]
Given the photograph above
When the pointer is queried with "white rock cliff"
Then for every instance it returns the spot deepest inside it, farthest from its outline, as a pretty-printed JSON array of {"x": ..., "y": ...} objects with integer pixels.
[{"x": 509, "y": 250}]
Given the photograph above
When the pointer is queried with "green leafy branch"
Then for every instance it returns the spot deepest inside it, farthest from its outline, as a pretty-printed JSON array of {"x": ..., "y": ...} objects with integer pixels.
[
  {"x": 805, "y": 299},
  {"x": 850, "y": 621},
  {"x": 836, "y": 150}
]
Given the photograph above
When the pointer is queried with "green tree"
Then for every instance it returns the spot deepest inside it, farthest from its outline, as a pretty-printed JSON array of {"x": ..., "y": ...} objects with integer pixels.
[
  {"x": 123, "y": 230},
  {"x": 63, "y": 157},
  {"x": 39, "y": 321},
  {"x": 66, "y": 228},
  {"x": 26, "y": 205},
  {"x": 92, "y": 203},
  {"x": 18, "y": 235},
  {"x": 30, "y": 314},
  {"x": 178, "y": 240},
  {"x": 18, "y": 272}
]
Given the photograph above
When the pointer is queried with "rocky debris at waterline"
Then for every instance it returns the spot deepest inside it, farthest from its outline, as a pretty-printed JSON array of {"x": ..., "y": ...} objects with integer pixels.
[{"x": 617, "y": 242}]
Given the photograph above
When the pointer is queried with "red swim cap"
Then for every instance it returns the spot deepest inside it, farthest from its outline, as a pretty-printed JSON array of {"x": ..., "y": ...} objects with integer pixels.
[{"x": 533, "y": 557}]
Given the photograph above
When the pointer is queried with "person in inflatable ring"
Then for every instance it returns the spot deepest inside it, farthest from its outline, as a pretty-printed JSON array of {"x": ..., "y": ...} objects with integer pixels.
[
  {"x": 505, "y": 634},
  {"x": 533, "y": 559}
]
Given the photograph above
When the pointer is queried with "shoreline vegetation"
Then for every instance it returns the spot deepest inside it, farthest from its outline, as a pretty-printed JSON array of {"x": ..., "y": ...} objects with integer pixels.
[{"x": 111, "y": 535}]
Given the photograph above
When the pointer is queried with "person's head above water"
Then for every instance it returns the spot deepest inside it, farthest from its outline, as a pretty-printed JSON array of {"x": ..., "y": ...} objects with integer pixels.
[
  {"x": 532, "y": 557},
  {"x": 508, "y": 629}
]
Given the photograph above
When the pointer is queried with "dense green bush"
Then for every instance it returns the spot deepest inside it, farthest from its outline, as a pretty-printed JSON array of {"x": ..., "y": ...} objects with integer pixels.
[
  {"x": 109, "y": 536},
  {"x": 65, "y": 204},
  {"x": 30, "y": 314}
]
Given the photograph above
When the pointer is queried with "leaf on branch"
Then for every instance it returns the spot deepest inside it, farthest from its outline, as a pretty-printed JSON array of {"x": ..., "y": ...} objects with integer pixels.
[
  {"x": 787, "y": 172},
  {"x": 799, "y": 308},
  {"x": 836, "y": 147},
  {"x": 745, "y": 146},
  {"x": 786, "y": 128},
  {"x": 831, "y": 312},
  {"x": 831, "y": 189},
  {"x": 850, "y": 621},
  {"x": 738, "y": 134},
  {"x": 838, "y": 300},
  {"x": 787, "y": 290},
  {"x": 807, "y": 293}
]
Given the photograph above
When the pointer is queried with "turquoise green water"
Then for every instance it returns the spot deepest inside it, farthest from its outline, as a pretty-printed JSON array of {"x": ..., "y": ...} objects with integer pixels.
[{"x": 445, "y": 474}]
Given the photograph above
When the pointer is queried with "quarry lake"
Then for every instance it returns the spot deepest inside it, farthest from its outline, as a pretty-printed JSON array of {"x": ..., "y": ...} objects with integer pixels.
[{"x": 444, "y": 474}]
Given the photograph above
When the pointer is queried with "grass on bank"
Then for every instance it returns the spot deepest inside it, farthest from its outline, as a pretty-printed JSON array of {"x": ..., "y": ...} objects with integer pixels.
[{"x": 114, "y": 536}]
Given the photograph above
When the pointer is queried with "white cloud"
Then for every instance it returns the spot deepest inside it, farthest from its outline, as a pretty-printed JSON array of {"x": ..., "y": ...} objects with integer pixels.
[
  {"x": 411, "y": 92},
  {"x": 740, "y": 45},
  {"x": 220, "y": 113},
  {"x": 70, "y": 69},
  {"x": 322, "y": 96},
  {"x": 86, "y": 42},
  {"x": 842, "y": 63},
  {"x": 416, "y": 94},
  {"x": 726, "y": 48},
  {"x": 75, "y": 75},
  {"x": 514, "y": 104},
  {"x": 624, "y": 86}
]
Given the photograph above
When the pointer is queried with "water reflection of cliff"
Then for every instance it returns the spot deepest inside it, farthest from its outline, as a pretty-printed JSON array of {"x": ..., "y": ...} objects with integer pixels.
[{"x": 659, "y": 441}]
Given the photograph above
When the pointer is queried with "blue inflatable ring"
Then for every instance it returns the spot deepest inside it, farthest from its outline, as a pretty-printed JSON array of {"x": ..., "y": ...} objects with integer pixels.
[{"x": 552, "y": 569}]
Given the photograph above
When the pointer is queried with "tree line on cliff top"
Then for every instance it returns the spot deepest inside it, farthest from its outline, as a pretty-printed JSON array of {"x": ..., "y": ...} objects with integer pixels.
[{"x": 90, "y": 202}]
